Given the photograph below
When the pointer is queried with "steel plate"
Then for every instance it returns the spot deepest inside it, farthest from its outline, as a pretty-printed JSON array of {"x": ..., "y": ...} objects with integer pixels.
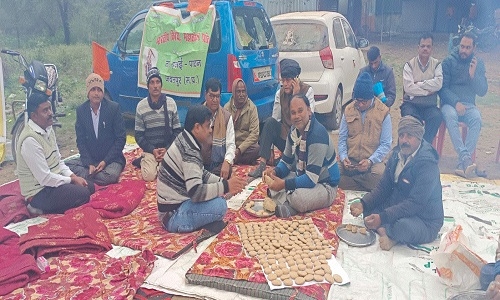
[
  {"x": 355, "y": 239},
  {"x": 259, "y": 206}
]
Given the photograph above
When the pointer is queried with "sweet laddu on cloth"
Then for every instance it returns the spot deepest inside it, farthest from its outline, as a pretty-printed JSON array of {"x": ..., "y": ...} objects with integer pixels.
[
  {"x": 16, "y": 269},
  {"x": 224, "y": 265},
  {"x": 77, "y": 231},
  {"x": 89, "y": 276}
]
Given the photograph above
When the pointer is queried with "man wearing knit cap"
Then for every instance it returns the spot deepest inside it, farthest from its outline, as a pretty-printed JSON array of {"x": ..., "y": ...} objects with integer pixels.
[
  {"x": 277, "y": 127},
  {"x": 47, "y": 184},
  {"x": 406, "y": 206},
  {"x": 365, "y": 138},
  {"x": 382, "y": 75},
  {"x": 100, "y": 136},
  {"x": 156, "y": 126}
]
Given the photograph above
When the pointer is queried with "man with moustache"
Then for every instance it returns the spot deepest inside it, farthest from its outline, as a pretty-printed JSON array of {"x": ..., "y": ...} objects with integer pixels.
[
  {"x": 156, "y": 126},
  {"x": 47, "y": 184},
  {"x": 189, "y": 196},
  {"x": 406, "y": 206},
  {"x": 422, "y": 80},
  {"x": 310, "y": 152},
  {"x": 246, "y": 124},
  {"x": 277, "y": 127},
  {"x": 220, "y": 151},
  {"x": 463, "y": 79},
  {"x": 365, "y": 138},
  {"x": 100, "y": 136}
]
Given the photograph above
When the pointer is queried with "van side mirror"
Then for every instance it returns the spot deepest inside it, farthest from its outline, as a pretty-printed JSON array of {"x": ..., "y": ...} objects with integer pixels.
[
  {"x": 362, "y": 43},
  {"x": 121, "y": 46}
]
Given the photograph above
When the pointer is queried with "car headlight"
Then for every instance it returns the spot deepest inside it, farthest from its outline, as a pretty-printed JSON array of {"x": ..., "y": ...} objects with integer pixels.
[{"x": 40, "y": 85}]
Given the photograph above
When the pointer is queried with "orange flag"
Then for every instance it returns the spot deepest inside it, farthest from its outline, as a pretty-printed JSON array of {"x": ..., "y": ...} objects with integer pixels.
[
  {"x": 199, "y": 5},
  {"x": 100, "y": 61}
]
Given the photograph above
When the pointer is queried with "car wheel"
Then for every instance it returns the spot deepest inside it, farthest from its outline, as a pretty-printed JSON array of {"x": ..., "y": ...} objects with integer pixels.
[{"x": 332, "y": 119}]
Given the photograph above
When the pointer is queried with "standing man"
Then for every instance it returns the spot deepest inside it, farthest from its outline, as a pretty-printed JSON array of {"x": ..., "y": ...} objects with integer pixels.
[
  {"x": 277, "y": 127},
  {"x": 156, "y": 126},
  {"x": 422, "y": 80},
  {"x": 246, "y": 124},
  {"x": 406, "y": 206},
  {"x": 381, "y": 75},
  {"x": 365, "y": 138},
  {"x": 47, "y": 184},
  {"x": 100, "y": 136},
  {"x": 310, "y": 152},
  {"x": 189, "y": 196},
  {"x": 220, "y": 152},
  {"x": 463, "y": 79}
]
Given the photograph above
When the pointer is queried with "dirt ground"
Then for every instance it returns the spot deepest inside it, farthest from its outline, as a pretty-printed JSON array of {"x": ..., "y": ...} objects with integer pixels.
[{"x": 395, "y": 52}]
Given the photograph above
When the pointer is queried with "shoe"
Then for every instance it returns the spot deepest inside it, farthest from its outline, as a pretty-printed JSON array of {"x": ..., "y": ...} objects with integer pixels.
[
  {"x": 481, "y": 173},
  {"x": 258, "y": 171},
  {"x": 137, "y": 162},
  {"x": 469, "y": 168}
]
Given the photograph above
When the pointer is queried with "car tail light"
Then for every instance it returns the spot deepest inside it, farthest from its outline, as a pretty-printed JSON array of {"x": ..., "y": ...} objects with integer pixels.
[
  {"x": 326, "y": 57},
  {"x": 233, "y": 70}
]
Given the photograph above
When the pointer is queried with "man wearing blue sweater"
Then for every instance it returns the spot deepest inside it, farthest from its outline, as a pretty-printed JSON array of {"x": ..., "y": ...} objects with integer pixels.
[{"x": 309, "y": 151}]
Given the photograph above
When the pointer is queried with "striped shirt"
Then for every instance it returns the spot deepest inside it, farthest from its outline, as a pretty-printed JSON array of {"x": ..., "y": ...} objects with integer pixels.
[
  {"x": 150, "y": 124},
  {"x": 181, "y": 175}
]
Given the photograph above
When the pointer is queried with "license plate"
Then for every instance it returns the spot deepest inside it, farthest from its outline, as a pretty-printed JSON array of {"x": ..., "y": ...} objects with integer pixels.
[{"x": 262, "y": 74}]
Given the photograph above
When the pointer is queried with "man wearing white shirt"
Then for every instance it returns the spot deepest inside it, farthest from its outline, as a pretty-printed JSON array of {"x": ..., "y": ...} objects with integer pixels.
[
  {"x": 47, "y": 184},
  {"x": 422, "y": 80},
  {"x": 218, "y": 158}
]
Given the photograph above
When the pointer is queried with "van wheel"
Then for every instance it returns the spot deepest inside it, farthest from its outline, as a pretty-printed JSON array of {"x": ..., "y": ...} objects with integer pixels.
[{"x": 332, "y": 119}]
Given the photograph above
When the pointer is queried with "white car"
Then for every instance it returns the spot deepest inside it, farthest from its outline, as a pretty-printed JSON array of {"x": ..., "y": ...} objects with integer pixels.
[{"x": 329, "y": 54}]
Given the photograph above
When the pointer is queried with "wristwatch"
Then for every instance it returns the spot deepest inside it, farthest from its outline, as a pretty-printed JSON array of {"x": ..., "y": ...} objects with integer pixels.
[{"x": 227, "y": 160}]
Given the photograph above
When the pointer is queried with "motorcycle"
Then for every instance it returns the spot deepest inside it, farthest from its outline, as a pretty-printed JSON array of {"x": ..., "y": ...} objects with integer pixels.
[
  {"x": 486, "y": 38},
  {"x": 37, "y": 78}
]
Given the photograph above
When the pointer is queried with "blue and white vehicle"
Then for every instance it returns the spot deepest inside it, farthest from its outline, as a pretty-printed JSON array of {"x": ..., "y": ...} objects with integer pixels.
[{"x": 242, "y": 45}]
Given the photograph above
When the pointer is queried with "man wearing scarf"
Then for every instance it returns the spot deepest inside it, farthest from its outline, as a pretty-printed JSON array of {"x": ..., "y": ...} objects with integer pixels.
[
  {"x": 277, "y": 127},
  {"x": 156, "y": 126},
  {"x": 463, "y": 79},
  {"x": 246, "y": 124},
  {"x": 406, "y": 206},
  {"x": 218, "y": 157},
  {"x": 310, "y": 151}
]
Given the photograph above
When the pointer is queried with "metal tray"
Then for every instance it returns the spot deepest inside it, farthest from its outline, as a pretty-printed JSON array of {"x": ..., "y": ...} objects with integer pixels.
[
  {"x": 258, "y": 206},
  {"x": 469, "y": 295},
  {"x": 355, "y": 239}
]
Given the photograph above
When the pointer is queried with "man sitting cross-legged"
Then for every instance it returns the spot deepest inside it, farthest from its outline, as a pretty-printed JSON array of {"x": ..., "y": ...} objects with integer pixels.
[{"x": 407, "y": 205}]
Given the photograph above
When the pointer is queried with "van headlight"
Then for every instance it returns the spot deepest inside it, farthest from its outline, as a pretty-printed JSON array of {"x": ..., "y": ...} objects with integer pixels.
[{"x": 40, "y": 85}]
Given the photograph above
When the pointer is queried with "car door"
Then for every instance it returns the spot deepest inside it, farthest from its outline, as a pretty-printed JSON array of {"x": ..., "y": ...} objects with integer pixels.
[
  {"x": 353, "y": 58},
  {"x": 341, "y": 56}
]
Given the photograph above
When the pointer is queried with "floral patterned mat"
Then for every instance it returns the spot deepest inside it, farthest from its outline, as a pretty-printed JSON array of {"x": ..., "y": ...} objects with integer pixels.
[
  {"x": 89, "y": 276},
  {"x": 225, "y": 258},
  {"x": 141, "y": 229}
]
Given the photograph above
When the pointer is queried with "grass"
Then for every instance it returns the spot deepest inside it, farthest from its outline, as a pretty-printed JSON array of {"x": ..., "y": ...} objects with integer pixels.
[{"x": 74, "y": 63}]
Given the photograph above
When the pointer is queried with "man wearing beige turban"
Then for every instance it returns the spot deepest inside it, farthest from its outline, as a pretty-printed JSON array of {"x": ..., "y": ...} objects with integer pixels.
[{"x": 406, "y": 206}]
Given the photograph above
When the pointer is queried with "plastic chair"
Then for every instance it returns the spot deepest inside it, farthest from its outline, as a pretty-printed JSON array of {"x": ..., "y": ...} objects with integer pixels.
[{"x": 438, "y": 141}]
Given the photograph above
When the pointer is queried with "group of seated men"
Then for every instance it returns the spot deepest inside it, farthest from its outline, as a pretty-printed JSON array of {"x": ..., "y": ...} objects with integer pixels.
[{"x": 192, "y": 165}]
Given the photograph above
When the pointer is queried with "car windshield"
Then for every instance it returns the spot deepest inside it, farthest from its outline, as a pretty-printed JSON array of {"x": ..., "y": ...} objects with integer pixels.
[
  {"x": 300, "y": 37},
  {"x": 253, "y": 28}
]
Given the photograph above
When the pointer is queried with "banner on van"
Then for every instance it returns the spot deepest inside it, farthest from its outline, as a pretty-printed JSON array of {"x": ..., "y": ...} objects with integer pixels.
[{"x": 177, "y": 47}]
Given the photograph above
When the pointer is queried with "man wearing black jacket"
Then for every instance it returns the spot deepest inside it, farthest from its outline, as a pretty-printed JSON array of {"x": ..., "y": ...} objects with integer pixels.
[
  {"x": 407, "y": 205},
  {"x": 100, "y": 136}
]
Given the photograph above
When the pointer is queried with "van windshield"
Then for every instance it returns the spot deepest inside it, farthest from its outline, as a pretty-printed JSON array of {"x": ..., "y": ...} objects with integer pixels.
[
  {"x": 253, "y": 28},
  {"x": 301, "y": 37}
]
